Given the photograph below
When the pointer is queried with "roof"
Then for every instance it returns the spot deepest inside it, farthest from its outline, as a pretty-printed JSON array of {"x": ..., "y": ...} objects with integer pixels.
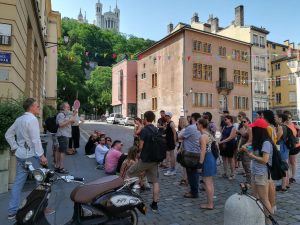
[
  {"x": 188, "y": 27},
  {"x": 284, "y": 59},
  {"x": 282, "y": 45},
  {"x": 260, "y": 29}
]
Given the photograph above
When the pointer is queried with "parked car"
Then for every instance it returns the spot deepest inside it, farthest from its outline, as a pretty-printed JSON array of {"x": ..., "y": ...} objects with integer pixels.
[
  {"x": 127, "y": 121},
  {"x": 114, "y": 118}
]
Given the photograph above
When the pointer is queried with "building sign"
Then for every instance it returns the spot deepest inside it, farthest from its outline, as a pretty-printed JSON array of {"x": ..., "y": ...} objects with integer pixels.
[
  {"x": 5, "y": 34},
  {"x": 5, "y": 58},
  {"x": 4, "y": 74}
]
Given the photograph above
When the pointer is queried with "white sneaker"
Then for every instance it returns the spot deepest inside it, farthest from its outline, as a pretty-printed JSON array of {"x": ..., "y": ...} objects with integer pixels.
[{"x": 170, "y": 173}]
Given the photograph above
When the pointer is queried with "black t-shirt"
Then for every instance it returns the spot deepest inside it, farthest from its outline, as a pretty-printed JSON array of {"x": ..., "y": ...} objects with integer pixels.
[
  {"x": 161, "y": 122},
  {"x": 146, "y": 135}
]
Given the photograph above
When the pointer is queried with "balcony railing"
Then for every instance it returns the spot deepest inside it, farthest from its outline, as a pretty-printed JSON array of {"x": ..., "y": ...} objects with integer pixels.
[{"x": 224, "y": 85}]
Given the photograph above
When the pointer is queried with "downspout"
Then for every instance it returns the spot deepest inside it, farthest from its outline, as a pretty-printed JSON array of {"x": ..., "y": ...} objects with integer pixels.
[
  {"x": 183, "y": 77},
  {"x": 252, "y": 117}
]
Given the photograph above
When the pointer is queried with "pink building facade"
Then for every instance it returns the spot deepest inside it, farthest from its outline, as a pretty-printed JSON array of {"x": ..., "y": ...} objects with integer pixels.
[
  {"x": 124, "y": 88},
  {"x": 195, "y": 71}
]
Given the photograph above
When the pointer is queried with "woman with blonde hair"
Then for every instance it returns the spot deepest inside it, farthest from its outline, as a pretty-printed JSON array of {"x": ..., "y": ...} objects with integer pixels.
[{"x": 182, "y": 124}]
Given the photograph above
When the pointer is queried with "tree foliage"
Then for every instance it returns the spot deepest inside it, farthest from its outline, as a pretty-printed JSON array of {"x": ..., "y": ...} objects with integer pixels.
[{"x": 88, "y": 43}]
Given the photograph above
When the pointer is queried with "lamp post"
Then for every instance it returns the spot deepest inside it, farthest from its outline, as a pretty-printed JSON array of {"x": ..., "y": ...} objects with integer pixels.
[
  {"x": 185, "y": 111},
  {"x": 49, "y": 44}
]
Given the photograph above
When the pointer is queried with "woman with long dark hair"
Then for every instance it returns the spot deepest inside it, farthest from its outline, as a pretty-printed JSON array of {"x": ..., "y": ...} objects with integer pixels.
[
  {"x": 261, "y": 154},
  {"x": 269, "y": 117},
  {"x": 228, "y": 146}
]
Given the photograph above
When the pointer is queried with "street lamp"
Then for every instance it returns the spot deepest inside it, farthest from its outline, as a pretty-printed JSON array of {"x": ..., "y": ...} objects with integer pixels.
[
  {"x": 53, "y": 44},
  {"x": 185, "y": 111}
]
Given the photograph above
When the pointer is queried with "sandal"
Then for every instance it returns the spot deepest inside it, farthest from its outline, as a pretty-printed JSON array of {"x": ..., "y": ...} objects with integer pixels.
[
  {"x": 63, "y": 171},
  {"x": 70, "y": 152},
  {"x": 206, "y": 207},
  {"x": 190, "y": 195},
  {"x": 183, "y": 182}
]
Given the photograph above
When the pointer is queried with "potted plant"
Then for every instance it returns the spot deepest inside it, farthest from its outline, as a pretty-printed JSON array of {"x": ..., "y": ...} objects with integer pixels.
[{"x": 9, "y": 110}]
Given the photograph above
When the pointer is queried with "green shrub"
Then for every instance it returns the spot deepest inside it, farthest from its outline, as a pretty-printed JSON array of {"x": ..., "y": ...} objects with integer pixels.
[
  {"x": 9, "y": 111},
  {"x": 48, "y": 111}
]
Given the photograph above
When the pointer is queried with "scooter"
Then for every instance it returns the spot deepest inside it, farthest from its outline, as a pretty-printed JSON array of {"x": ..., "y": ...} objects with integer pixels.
[{"x": 109, "y": 200}]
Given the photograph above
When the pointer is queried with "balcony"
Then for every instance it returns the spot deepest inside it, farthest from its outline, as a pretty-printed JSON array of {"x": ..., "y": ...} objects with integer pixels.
[{"x": 226, "y": 86}]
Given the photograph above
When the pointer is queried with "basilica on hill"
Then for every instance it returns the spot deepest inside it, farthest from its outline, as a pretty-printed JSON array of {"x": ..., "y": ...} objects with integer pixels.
[{"x": 108, "y": 20}]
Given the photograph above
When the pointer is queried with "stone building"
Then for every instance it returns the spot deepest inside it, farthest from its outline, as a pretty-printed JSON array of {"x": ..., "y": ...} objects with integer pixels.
[{"x": 25, "y": 28}]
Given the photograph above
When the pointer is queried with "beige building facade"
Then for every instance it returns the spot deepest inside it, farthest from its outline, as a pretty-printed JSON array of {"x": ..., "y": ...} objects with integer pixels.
[
  {"x": 284, "y": 82},
  {"x": 23, "y": 34},
  {"x": 186, "y": 72}
]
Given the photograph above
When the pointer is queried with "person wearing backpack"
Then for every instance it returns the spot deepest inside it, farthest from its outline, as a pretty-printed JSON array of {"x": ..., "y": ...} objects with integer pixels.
[
  {"x": 293, "y": 164},
  {"x": 147, "y": 162},
  {"x": 261, "y": 155}
]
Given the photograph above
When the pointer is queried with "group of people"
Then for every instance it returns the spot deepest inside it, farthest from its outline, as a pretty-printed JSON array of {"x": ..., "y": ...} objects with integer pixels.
[{"x": 252, "y": 144}]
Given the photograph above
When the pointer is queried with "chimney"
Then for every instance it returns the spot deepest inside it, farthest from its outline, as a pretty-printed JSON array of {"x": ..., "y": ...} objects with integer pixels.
[
  {"x": 239, "y": 16},
  {"x": 210, "y": 18},
  {"x": 286, "y": 42},
  {"x": 292, "y": 45},
  {"x": 215, "y": 25},
  {"x": 195, "y": 18},
  {"x": 170, "y": 28},
  {"x": 298, "y": 46}
]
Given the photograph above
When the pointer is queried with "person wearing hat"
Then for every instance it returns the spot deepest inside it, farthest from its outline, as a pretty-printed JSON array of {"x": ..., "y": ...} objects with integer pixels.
[
  {"x": 171, "y": 143},
  {"x": 261, "y": 154}
]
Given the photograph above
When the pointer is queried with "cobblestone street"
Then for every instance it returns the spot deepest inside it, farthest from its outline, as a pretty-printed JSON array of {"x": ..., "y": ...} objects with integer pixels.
[{"x": 173, "y": 208}]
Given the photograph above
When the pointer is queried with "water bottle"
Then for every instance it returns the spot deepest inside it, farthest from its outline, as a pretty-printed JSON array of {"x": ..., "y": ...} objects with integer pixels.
[{"x": 249, "y": 148}]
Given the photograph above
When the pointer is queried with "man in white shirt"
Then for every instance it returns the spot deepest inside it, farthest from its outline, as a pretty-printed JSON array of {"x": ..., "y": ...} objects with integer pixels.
[
  {"x": 24, "y": 139},
  {"x": 101, "y": 150}
]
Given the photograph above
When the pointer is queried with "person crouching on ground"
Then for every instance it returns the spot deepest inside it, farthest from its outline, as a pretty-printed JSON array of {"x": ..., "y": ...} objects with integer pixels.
[
  {"x": 100, "y": 151},
  {"x": 112, "y": 157}
]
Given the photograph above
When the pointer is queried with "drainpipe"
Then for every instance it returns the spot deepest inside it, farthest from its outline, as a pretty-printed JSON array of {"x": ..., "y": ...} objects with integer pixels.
[
  {"x": 183, "y": 78},
  {"x": 252, "y": 116}
]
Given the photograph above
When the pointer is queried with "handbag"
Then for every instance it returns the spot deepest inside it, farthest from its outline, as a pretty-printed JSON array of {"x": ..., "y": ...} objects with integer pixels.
[
  {"x": 187, "y": 159},
  {"x": 222, "y": 147}
]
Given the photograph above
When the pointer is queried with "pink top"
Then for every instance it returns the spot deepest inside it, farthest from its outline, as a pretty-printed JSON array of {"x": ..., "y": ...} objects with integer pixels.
[{"x": 111, "y": 160}]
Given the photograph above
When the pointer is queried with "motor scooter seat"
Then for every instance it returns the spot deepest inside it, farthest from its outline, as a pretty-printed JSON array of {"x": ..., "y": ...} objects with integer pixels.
[{"x": 88, "y": 192}]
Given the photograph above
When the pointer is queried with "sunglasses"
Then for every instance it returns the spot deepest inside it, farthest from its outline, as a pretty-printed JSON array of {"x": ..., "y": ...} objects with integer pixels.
[
  {"x": 108, "y": 140},
  {"x": 244, "y": 121}
]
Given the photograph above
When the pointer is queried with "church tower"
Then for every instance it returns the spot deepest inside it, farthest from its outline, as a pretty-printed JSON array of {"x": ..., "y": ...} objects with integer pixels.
[
  {"x": 80, "y": 17},
  {"x": 99, "y": 14},
  {"x": 117, "y": 13}
]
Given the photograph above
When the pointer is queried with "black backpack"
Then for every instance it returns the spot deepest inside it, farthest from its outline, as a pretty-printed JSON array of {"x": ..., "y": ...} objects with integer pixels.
[
  {"x": 289, "y": 139},
  {"x": 279, "y": 167},
  {"x": 51, "y": 124},
  {"x": 157, "y": 146}
]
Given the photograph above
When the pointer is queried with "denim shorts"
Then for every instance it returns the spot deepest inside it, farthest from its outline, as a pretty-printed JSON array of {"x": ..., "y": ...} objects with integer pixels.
[{"x": 63, "y": 143}]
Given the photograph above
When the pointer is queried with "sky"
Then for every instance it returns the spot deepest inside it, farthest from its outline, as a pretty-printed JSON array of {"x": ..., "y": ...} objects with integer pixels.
[{"x": 149, "y": 18}]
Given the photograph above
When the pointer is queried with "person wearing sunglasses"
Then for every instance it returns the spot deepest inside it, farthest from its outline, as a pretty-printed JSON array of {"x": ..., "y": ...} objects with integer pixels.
[
  {"x": 108, "y": 142},
  {"x": 245, "y": 139}
]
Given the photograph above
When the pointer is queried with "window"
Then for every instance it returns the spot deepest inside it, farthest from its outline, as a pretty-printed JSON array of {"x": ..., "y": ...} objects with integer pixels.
[
  {"x": 199, "y": 46},
  {"x": 143, "y": 76},
  {"x": 208, "y": 48},
  {"x": 202, "y": 71},
  {"x": 154, "y": 80},
  {"x": 262, "y": 42},
  {"x": 292, "y": 96},
  {"x": 278, "y": 98},
  {"x": 241, "y": 102},
  {"x": 277, "y": 66},
  {"x": 240, "y": 77},
  {"x": 277, "y": 82},
  {"x": 194, "y": 45},
  {"x": 154, "y": 60},
  {"x": 292, "y": 78},
  {"x": 244, "y": 56},
  {"x": 222, "y": 51},
  {"x": 143, "y": 95},
  {"x": 262, "y": 63},
  {"x": 205, "y": 47},
  {"x": 144, "y": 65},
  {"x": 154, "y": 104},
  {"x": 256, "y": 63},
  {"x": 255, "y": 39},
  {"x": 202, "y": 100},
  {"x": 283, "y": 49},
  {"x": 120, "y": 86}
]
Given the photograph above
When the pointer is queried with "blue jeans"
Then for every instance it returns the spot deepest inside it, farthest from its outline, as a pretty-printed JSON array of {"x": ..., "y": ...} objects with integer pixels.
[
  {"x": 193, "y": 178},
  {"x": 20, "y": 179}
]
